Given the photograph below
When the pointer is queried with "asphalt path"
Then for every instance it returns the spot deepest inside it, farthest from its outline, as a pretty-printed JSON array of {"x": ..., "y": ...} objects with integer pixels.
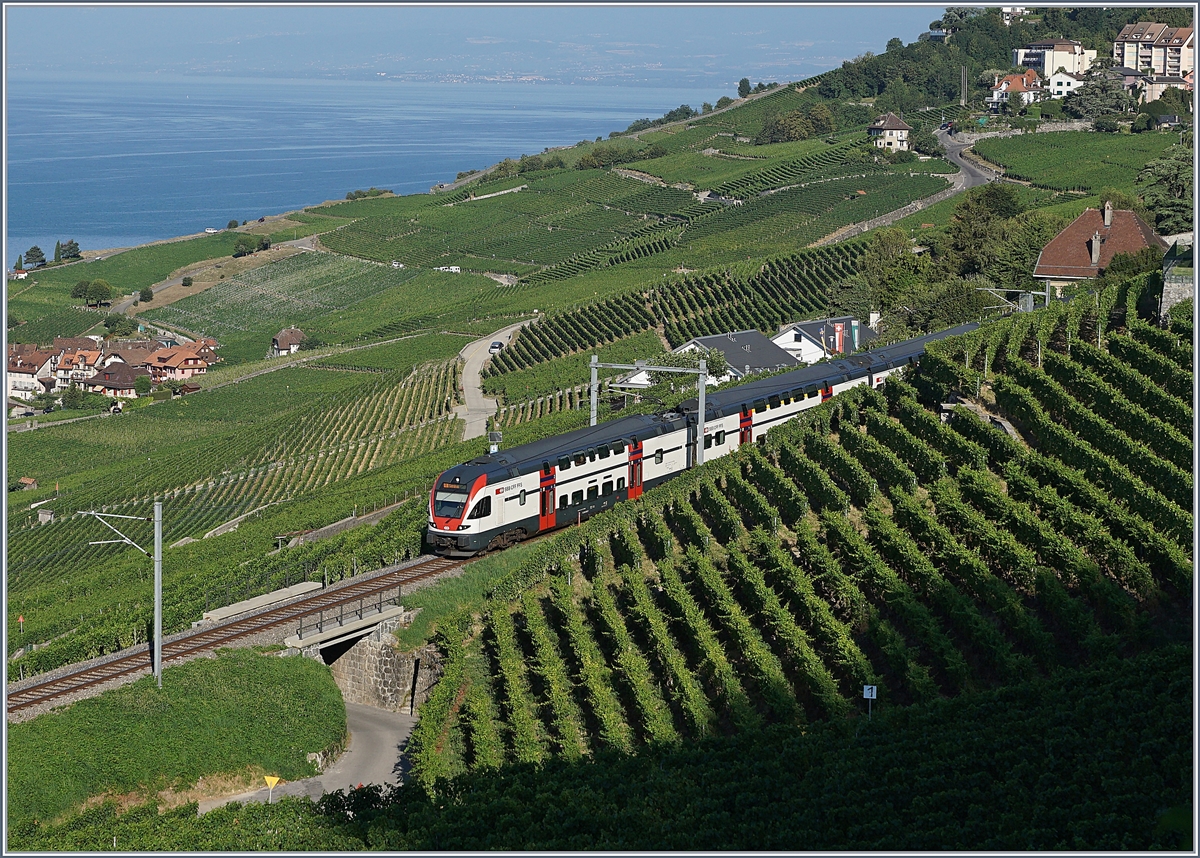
[
  {"x": 375, "y": 755},
  {"x": 974, "y": 174},
  {"x": 478, "y": 408}
]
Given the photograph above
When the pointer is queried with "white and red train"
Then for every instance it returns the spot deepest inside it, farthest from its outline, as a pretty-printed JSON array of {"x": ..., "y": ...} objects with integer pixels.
[{"x": 501, "y": 498}]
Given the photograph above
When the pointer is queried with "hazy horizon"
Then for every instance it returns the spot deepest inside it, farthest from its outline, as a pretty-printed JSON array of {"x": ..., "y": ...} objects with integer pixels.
[{"x": 615, "y": 45}]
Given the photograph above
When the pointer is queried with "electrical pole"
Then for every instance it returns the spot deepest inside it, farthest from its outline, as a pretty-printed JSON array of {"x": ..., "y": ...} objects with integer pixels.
[{"x": 157, "y": 556}]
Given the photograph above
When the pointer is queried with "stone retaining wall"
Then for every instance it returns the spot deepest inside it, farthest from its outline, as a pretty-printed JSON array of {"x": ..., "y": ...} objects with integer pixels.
[{"x": 374, "y": 673}]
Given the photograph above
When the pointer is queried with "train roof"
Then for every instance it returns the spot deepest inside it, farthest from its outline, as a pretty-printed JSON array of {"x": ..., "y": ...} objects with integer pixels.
[
  {"x": 643, "y": 426},
  {"x": 853, "y": 366}
]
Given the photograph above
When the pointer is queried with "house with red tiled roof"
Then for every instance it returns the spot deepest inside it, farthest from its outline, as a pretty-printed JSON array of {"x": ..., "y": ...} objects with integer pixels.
[
  {"x": 1018, "y": 90},
  {"x": 889, "y": 132},
  {"x": 286, "y": 342},
  {"x": 62, "y": 345},
  {"x": 176, "y": 363},
  {"x": 76, "y": 367},
  {"x": 1087, "y": 246},
  {"x": 118, "y": 380},
  {"x": 29, "y": 373}
]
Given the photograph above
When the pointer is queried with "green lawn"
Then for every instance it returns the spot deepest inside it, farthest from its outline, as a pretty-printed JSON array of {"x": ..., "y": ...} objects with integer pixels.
[{"x": 240, "y": 710}]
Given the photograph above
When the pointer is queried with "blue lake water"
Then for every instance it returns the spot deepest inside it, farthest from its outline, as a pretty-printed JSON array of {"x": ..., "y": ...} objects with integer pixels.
[{"x": 118, "y": 162}]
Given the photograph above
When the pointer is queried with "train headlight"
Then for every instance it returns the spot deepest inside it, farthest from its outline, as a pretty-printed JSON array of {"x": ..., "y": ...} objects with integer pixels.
[{"x": 463, "y": 526}]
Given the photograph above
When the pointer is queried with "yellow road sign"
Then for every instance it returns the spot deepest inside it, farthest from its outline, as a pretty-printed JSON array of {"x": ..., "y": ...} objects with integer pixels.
[{"x": 271, "y": 781}]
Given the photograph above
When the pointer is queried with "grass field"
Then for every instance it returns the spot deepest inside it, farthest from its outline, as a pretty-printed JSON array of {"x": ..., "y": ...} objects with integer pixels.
[{"x": 139, "y": 739}]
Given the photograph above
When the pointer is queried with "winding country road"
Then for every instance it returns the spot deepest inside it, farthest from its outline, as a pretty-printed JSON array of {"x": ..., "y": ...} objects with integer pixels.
[{"x": 478, "y": 408}]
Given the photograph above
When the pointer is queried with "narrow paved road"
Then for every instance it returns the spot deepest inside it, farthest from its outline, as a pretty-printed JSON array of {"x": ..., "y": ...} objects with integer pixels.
[
  {"x": 479, "y": 408},
  {"x": 377, "y": 742},
  {"x": 975, "y": 175}
]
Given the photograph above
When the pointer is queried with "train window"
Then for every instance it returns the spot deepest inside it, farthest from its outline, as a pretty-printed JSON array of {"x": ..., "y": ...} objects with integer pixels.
[
  {"x": 576, "y": 498},
  {"x": 521, "y": 502},
  {"x": 603, "y": 451},
  {"x": 580, "y": 457},
  {"x": 607, "y": 488},
  {"x": 708, "y": 442},
  {"x": 633, "y": 442},
  {"x": 811, "y": 391},
  {"x": 593, "y": 492},
  {"x": 618, "y": 447},
  {"x": 658, "y": 456},
  {"x": 774, "y": 401},
  {"x": 482, "y": 509},
  {"x": 620, "y": 484},
  {"x": 563, "y": 501},
  {"x": 760, "y": 405},
  {"x": 745, "y": 410},
  {"x": 720, "y": 438},
  {"x": 591, "y": 454},
  {"x": 546, "y": 468},
  {"x": 564, "y": 462}
]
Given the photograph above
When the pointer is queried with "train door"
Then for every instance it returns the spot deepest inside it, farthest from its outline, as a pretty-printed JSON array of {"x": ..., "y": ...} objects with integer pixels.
[
  {"x": 745, "y": 427},
  {"x": 546, "y": 513},
  {"x": 635, "y": 469},
  {"x": 827, "y": 392}
]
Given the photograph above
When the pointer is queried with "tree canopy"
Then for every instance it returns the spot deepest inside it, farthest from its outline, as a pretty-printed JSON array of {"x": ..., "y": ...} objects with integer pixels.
[
  {"x": 1167, "y": 184},
  {"x": 34, "y": 257},
  {"x": 70, "y": 249}
]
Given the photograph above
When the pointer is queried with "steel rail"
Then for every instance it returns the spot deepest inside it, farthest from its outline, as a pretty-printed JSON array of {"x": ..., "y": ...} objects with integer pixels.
[{"x": 203, "y": 640}]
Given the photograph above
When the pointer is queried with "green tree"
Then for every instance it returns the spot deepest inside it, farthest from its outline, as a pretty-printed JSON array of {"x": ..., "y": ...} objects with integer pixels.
[
  {"x": 34, "y": 257},
  {"x": 1126, "y": 202},
  {"x": 142, "y": 385},
  {"x": 187, "y": 281},
  {"x": 264, "y": 243},
  {"x": 80, "y": 289},
  {"x": 743, "y": 87},
  {"x": 99, "y": 292},
  {"x": 243, "y": 246},
  {"x": 20, "y": 263},
  {"x": 706, "y": 108},
  {"x": 72, "y": 397},
  {"x": 724, "y": 101},
  {"x": 822, "y": 120},
  {"x": 920, "y": 139},
  {"x": 1167, "y": 184},
  {"x": 1002, "y": 198},
  {"x": 1105, "y": 124},
  {"x": 119, "y": 325},
  {"x": 58, "y": 251},
  {"x": 232, "y": 224},
  {"x": 70, "y": 249},
  {"x": 147, "y": 294},
  {"x": 1102, "y": 95},
  {"x": 781, "y": 129}
]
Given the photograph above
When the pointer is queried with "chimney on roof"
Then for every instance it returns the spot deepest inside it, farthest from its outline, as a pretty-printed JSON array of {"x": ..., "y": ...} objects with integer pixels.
[
  {"x": 1108, "y": 210},
  {"x": 1096, "y": 248}
]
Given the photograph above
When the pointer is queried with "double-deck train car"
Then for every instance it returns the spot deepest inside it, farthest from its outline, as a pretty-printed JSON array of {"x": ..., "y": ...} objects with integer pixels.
[{"x": 500, "y": 498}]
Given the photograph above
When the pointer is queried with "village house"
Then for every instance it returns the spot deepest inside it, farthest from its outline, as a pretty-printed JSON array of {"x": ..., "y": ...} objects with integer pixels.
[
  {"x": 286, "y": 342},
  {"x": 1050, "y": 55},
  {"x": 889, "y": 132},
  {"x": 76, "y": 367},
  {"x": 1063, "y": 83},
  {"x": 29, "y": 373},
  {"x": 1088, "y": 244},
  {"x": 176, "y": 364},
  {"x": 119, "y": 380},
  {"x": 1163, "y": 50},
  {"x": 810, "y": 341},
  {"x": 1016, "y": 90}
]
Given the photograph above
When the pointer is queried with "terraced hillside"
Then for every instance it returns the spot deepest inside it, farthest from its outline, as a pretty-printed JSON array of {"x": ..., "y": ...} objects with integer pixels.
[{"x": 869, "y": 543}]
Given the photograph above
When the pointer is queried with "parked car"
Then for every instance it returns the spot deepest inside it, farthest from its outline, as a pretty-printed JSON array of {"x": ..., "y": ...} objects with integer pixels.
[{"x": 496, "y": 347}]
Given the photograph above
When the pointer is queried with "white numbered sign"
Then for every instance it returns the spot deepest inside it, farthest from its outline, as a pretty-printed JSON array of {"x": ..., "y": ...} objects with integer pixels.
[{"x": 868, "y": 692}]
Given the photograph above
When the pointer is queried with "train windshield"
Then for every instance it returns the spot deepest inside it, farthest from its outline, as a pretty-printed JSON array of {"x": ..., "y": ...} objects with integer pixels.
[{"x": 449, "y": 503}]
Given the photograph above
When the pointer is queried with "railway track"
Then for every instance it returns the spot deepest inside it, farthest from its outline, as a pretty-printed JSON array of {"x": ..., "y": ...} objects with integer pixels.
[{"x": 207, "y": 639}]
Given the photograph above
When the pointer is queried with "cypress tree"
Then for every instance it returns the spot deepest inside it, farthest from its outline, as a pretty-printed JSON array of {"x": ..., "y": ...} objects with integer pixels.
[
  {"x": 58, "y": 251},
  {"x": 19, "y": 264}
]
